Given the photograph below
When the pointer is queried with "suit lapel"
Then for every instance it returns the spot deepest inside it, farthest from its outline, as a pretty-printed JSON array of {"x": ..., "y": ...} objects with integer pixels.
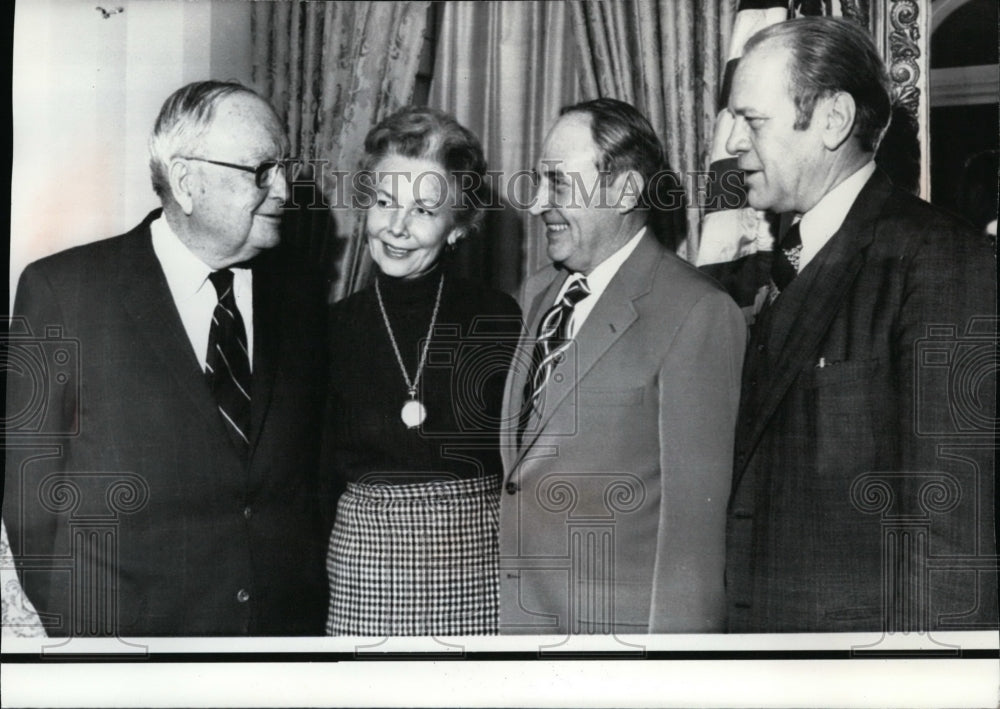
[
  {"x": 266, "y": 343},
  {"x": 514, "y": 389},
  {"x": 514, "y": 394},
  {"x": 147, "y": 300},
  {"x": 607, "y": 322},
  {"x": 804, "y": 312}
]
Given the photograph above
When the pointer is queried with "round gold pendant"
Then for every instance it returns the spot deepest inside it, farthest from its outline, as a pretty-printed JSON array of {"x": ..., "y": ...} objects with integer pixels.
[{"x": 413, "y": 413}]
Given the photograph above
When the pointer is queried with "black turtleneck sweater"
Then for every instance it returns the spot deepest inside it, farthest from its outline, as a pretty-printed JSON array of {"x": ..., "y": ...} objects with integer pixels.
[{"x": 461, "y": 386}]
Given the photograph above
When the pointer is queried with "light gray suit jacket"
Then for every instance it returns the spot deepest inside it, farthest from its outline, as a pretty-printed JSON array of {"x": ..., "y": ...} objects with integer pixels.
[{"x": 612, "y": 517}]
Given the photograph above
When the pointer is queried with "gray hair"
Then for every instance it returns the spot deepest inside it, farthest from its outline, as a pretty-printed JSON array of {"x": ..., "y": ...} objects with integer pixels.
[{"x": 184, "y": 118}]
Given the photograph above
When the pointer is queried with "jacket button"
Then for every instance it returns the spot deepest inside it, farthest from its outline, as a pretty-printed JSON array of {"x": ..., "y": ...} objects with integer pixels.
[
  {"x": 242, "y": 595},
  {"x": 760, "y": 347},
  {"x": 512, "y": 488},
  {"x": 247, "y": 512}
]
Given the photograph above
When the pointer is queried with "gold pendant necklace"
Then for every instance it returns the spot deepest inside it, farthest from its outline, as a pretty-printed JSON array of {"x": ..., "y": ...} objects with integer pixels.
[{"x": 413, "y": 412}]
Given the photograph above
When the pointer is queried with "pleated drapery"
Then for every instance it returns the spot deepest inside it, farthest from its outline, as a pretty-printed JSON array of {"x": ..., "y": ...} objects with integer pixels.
[
  {"x": 666, "y": 58},
  {"x": 504, "y": 70},
  {"x": 333, "y": 70}
]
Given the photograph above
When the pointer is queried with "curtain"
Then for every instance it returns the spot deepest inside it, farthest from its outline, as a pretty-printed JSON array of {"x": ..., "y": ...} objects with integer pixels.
[
  {"x": 332, "y": 71},
  {"x": 504, "y": 70},
  {"x": 664, "y": 58}
]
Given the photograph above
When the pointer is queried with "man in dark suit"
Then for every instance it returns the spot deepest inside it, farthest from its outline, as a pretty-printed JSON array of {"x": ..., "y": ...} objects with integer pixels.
[
  {"x": 620, "y": 413},
  {"x": 864, "y": 483},
  {"x": 161, "y": 473}
]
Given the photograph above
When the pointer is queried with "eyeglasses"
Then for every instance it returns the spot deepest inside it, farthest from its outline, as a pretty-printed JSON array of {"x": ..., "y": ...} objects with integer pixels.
[{"x": 263, "y": 174}]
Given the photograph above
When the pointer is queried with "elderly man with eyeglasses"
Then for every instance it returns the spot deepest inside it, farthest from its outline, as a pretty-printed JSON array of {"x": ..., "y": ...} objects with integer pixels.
[{"x": 160, "y": 469}]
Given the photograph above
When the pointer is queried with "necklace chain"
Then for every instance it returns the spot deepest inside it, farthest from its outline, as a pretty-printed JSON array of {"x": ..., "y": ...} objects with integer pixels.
[{"x": 411, "y": 387}]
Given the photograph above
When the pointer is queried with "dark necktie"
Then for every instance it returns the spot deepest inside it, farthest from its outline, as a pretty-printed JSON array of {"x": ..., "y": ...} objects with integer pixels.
[
  {"x": 228, "y": 362},
  {"x": 785, "y": 263},
  {"x": 552, "y": 341}
]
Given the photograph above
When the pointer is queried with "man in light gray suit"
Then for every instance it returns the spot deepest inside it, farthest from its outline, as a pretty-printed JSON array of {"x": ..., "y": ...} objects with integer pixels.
[{"x": 621, "y": 409}]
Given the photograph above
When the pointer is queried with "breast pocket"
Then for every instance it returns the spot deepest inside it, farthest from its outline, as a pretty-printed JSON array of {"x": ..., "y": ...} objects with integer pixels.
[
  {"x": 839, "y": 374},
  {"x": 842, "y": 407},
  {"x": 619, "y": 428},
  {"x": 611, "y": 397}
]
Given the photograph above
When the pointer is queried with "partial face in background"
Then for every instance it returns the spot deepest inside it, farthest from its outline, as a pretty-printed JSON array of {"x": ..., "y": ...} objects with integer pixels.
[
  {"x": 413, "y": 216},
  {"x": 582, "y": 223},
  {"x": 235, "y": 219},
  {"x": 783, "y": 165}
]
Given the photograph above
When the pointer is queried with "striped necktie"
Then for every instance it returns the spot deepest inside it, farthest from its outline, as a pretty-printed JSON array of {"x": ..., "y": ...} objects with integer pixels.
[
  {"x": 227, "y": 364},
  {"x": 552, "y": 341}
]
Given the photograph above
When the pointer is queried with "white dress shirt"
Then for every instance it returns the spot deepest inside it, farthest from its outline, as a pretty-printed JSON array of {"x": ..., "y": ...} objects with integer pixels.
[
  {"x": 193, "y": 294},
  {"x": 597, "y": 281},
  {"x": 825, "y": 218}
]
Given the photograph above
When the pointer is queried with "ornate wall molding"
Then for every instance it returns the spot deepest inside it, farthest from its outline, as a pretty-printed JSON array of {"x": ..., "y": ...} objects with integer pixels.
[{"x": 901, "y": 29}]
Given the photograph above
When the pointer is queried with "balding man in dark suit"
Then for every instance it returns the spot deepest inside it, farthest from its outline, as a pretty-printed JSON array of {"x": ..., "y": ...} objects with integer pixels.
[{"x": 168, "y": 487}]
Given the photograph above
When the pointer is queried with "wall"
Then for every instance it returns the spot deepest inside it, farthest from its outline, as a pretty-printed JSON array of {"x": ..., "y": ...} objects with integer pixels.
[{"x": 86, "y": 91}]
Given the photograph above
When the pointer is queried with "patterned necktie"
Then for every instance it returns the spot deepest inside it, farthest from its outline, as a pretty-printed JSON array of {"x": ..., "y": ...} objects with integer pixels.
[
  {"x": 552, "y": 341},
  {"x": 785, "y": 263},
  {"x": 228, "y": 362}
]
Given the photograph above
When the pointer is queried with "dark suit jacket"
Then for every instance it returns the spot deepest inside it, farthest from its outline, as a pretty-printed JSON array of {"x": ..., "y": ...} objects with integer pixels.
[
  {"x": 613, "y": 514},
  {"x": 123, "y": 494},
  {"x": 864, "y": 440}
]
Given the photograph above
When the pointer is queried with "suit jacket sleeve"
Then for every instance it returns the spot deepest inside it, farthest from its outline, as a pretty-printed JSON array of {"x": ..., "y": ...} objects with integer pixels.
[
  {"x": 699, "y": 389},
  {"x": 948, "y": 315},
  {"x": 41, "y": 411},
  {"x": 950, "y": 285}
]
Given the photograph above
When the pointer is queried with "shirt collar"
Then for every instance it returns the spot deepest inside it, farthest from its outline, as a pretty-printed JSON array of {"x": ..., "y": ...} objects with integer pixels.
[
  {"x": 826, "y": 217},
  {"x": 186, "y": 273},
  {"x": 602, "y": 274}
]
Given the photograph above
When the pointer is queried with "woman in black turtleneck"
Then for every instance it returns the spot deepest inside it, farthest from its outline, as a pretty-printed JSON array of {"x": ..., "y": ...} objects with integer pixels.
[{"x": 418, "y": 365}]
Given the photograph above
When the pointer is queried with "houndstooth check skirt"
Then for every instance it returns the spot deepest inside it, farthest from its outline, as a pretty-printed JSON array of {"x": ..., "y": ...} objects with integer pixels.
[{"x": 416, "y": 559}]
